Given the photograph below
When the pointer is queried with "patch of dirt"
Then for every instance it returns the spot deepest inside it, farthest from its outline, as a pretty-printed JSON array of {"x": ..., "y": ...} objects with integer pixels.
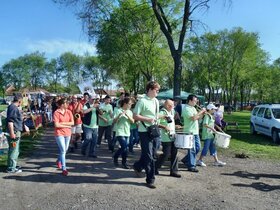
[{"x": 97, "y": 184}]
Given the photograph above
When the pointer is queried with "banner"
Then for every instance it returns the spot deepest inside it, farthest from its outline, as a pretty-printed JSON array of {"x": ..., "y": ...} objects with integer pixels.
[{"x": 86, "y": 86}]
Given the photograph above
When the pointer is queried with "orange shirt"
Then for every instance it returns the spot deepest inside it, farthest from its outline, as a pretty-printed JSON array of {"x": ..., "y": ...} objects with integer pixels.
[
  {"x": 59, "y": 117},
  {"x": 72, "y": 107}
]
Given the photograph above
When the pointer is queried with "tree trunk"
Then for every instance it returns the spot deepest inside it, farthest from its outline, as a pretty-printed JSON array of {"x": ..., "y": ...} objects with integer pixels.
[{"x": 177, "y": 74}]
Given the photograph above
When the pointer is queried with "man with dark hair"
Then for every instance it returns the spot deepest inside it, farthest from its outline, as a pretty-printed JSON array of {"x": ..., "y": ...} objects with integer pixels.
[
  {"x": 146, "y": 111},
  {"x": 90, "y": 127},
  {"x": 105, "y": 123},
  {"x": 14, "y": 126},
  {"x": 85, "y": 98},
  {"x": 191, "y": 126}
]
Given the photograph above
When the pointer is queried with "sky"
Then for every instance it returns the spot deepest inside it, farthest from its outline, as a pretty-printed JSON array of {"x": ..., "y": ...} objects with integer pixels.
[
  {"x": 27, "y": 26},
  {"x": 39, "y": 25}
]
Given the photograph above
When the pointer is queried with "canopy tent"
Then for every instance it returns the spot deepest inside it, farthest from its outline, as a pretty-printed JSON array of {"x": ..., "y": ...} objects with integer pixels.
[{"x": 184, "y": 95}]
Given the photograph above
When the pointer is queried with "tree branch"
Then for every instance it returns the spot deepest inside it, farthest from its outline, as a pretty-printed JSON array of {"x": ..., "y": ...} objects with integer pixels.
[{"x": 163, "y": 27}]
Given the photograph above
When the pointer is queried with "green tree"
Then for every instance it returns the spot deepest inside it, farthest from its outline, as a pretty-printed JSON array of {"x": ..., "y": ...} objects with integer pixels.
[
  {"x": 70, "y": 65},
  {"x": 173, "y": 17},
  {"x": 35, "y": 65},
  {"x": 94, "y": 71},
  {"x": 2, "y": 85},
  {"x": 225, "y": 61},
  {"x": 131, "y": 41},
  {"x": 14, "y": 73},
  {"x": 54, "y": 76}
]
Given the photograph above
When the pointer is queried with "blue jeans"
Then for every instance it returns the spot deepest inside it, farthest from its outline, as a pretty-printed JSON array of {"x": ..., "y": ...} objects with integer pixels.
[
  {"x": 158, "y": 143},
  {"x": 191, "y": 156},
  {"x": 90, "y": 140},
  {"x": 209, "y": 145},
  {"x": 133, "y": 139},
  {"x": 123, "y": 140},
  {"x": 63, "y": 144},
  {"x": 147, "y": 158}
]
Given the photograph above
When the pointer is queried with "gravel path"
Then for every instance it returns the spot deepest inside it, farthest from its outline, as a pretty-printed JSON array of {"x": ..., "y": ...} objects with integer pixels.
[{"x": 97, "y": 184}]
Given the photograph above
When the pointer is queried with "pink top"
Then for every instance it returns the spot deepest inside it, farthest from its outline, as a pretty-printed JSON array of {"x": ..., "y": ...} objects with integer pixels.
[{"x": 59, "y": 117}]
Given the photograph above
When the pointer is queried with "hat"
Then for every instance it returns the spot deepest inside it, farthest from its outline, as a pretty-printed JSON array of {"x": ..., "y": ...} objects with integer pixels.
[{"x": 211, "y": 106}]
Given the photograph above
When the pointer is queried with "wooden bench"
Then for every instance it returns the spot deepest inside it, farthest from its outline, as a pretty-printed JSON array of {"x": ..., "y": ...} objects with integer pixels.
[{"x": 232, "y": 127}]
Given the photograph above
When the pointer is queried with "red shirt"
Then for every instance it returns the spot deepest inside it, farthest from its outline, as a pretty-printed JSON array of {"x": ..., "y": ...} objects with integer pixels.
[
  {"x": 59, "y": 117},
  {"x": 73, "y": 107},
  {"x": 83, "y": 102}
]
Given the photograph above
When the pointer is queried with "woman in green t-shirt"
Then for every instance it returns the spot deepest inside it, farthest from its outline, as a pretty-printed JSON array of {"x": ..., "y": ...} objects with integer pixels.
[
  {"x": 208, "y": 131},
  {"x": 123, "y": 119}
]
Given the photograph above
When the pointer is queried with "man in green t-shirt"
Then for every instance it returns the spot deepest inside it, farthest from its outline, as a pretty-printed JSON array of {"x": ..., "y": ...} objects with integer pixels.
[
  {"x": 146, "y": 112},
  {"x": 90, "y": 127},
  {"x": 105, "y": 123},
  {"x": 167, "y": 125},
  {"x": 191, "y": 126}
]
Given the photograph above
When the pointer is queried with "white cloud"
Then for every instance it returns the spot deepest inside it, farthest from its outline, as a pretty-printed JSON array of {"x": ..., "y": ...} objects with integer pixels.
[{"x": 56, "y": 47}]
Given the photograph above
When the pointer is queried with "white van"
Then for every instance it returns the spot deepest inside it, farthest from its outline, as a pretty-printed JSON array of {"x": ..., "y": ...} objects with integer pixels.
[{"x": 265, "y": 119}]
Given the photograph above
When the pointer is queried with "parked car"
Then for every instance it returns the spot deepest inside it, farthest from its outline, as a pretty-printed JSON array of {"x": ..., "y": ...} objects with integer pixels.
[{"x": 265, "y": 119}]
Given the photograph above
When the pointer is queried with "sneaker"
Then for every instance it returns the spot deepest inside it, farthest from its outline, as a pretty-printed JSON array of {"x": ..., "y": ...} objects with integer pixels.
[
  {"x": 219, "y": 163},
  {"x": 200, "y": 163},
  {"x": 58, "y": 164},
  {"x": 16, "y": 171},
  {"x": 106, "y": 141},
  {"x": 138, "y": 145},
  {"x": 64, "y": 172},
  {"x": 175, "y": 175},
  {"x": 194, "y": 170},
  {"x": 150, "y": 185}
]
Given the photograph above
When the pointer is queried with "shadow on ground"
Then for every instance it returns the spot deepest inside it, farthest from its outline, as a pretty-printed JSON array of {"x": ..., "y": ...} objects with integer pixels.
[
  {"x": 255, "y": 176},
  {"x": 41, "y": 167}
]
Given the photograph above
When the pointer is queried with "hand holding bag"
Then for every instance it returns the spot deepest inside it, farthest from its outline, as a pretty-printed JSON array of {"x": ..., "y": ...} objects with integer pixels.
[{"x": 153, "y": 131}]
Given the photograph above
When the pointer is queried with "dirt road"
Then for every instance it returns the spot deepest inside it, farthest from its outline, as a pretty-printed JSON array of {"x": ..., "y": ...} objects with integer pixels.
[{"x": 97, "y": 184}]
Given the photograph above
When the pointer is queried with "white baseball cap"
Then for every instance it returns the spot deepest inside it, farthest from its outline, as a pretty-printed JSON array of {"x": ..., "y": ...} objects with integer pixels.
[{"x": 211, "y": 106}]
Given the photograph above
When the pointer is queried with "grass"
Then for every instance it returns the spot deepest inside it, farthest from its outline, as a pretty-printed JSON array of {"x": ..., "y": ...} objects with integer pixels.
[
  {"x": 3, "y": 107},
  {"x": 255, "y": 146},
  {"x": 27, "y": 145}
]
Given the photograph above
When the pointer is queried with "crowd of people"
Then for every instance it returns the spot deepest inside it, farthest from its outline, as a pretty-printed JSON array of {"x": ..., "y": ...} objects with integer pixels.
[{"x": 128, "y": 123}]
